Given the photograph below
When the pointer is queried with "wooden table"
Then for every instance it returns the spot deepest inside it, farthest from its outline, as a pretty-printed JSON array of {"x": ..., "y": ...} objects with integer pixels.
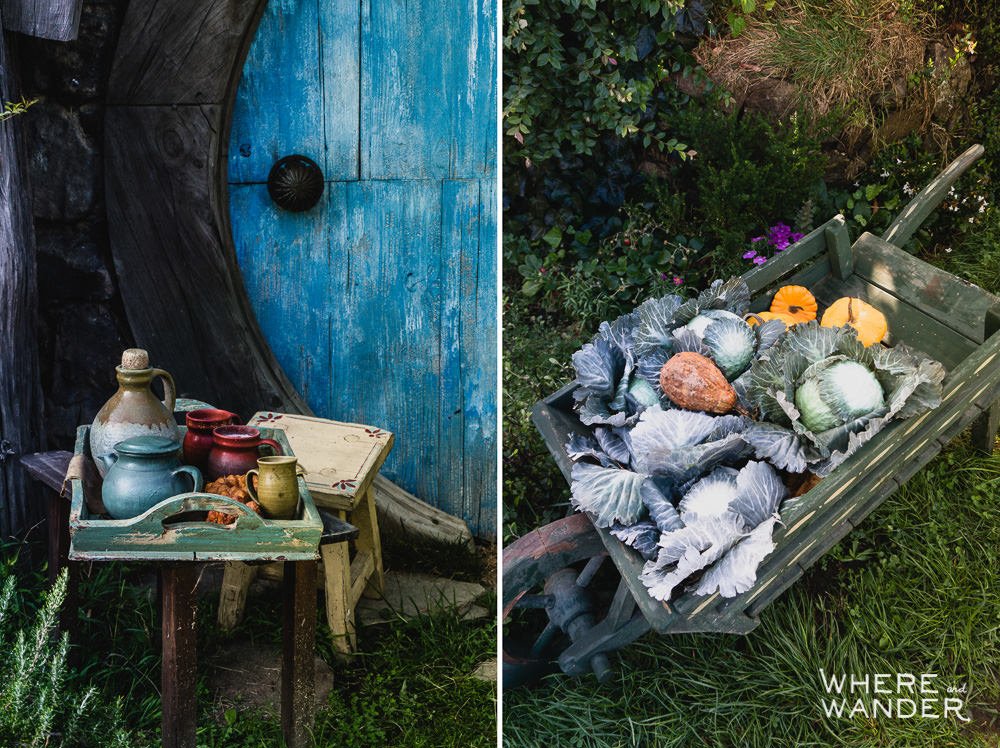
[{"x": 177, "y": 609}]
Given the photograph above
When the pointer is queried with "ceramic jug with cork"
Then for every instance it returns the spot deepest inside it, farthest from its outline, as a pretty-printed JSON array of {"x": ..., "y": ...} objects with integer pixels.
[{"x": 133, "y": 410}]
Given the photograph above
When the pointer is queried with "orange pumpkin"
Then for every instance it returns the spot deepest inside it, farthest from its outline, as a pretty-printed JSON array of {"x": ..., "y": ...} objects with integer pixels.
[
  {"x": 755, "y": 317},
  {"x": 863, "y": 317},
  {"x": 795, "y": 302}
]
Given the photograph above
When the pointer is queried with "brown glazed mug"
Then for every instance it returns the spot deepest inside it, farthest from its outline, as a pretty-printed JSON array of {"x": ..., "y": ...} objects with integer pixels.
[
  {"x": 277, "y": 489},
  {"x": 198, "y": 440},
  {"x": 235, "y": 450}
]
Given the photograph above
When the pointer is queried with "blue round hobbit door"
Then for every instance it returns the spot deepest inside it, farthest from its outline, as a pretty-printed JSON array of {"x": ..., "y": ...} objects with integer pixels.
[{"x": 379, "y": 301}]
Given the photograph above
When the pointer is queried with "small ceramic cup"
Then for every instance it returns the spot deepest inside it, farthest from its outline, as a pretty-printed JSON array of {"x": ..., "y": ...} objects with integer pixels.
[
  {"x": 277, "y": 489},
  {"x": 235, "y": 450}
]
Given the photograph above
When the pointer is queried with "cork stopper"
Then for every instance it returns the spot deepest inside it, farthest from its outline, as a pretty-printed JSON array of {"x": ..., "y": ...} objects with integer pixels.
[{"x": 135, "y": 358}]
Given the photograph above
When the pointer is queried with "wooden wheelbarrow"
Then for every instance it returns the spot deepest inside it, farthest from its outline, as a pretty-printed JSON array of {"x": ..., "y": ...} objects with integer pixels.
[{"x": 955, "y": 322}]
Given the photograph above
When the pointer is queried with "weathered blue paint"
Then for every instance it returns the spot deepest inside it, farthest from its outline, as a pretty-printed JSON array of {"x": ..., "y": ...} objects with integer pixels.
[{"x": 380, "y": 302}]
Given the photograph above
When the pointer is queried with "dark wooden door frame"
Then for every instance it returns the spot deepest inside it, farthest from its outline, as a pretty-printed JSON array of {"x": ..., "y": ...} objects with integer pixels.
[{"x": 171, "y": 92}]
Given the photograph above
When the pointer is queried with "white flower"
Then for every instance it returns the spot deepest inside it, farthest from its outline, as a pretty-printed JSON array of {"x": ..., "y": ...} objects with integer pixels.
[
  {"x": 899, "y": 160},
  {"x": 982, "y": 207},
  {"x": 948, "y": 249},
  {"x": 907, "y": 189},
  {"x": 884, "y": 174},
  {"x": 972, "y": 219}
]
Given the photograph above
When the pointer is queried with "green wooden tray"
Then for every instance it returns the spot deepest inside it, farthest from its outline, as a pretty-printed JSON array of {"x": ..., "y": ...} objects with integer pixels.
[{"x": 153, "y": 537}]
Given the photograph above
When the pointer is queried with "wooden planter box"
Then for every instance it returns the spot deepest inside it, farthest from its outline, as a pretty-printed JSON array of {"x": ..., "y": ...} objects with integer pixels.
[
  {"x": 926, "y": 308},
  {"x": 152, "y": 536}
]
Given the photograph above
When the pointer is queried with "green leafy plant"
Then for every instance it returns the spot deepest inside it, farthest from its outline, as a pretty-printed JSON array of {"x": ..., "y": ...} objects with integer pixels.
[
  {"x": 38, "y": 705},
  {"x": 577, "y": 70},
  {"x": 14, "y": 108}
]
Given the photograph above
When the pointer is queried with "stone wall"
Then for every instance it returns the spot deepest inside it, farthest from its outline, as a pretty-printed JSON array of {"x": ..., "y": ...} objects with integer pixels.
[{"x": 83, "y": 327}]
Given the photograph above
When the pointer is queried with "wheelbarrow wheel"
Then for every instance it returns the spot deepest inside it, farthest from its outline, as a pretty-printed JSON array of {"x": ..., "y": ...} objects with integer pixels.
[{"x": 539, "y": 574}]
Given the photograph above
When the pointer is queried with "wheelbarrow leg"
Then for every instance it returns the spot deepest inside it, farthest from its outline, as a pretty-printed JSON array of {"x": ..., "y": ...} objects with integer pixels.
[
  {"x": 984, "y": 429},
  {"x": 580, "y": 656}
]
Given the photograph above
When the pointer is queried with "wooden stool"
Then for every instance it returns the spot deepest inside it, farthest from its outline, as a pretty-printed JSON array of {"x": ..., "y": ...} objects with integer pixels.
[{"x": 340, "y": 461}]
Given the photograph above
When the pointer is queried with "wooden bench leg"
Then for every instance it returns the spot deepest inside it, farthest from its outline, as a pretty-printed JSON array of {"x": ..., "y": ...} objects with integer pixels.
[
  {"x": 365, "y": 520},
  {"x": 337, "y": 591},
  {"x": 298, "y": 687},
  {"x": 984, "y": 429},
  {"x": 236, "y": 581},
  {"x": 177, "y": 680}
]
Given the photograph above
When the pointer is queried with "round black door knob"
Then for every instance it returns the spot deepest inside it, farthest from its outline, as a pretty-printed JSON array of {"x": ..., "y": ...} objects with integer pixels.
[{"x": 295, "y": 183}]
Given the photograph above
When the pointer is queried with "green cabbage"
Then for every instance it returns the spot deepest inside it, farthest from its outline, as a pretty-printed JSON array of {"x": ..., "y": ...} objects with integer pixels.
[{"x": 821, "y": 395}]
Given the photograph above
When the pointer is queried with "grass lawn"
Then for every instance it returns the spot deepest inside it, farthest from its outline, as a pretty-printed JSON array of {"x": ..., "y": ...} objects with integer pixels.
[
  {"x": 411, "y": 685},
  {"x": 915, "y": 589}
]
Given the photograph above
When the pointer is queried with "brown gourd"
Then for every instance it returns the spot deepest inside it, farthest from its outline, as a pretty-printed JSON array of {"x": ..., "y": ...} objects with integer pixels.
[{"x": 694, "y": 382}]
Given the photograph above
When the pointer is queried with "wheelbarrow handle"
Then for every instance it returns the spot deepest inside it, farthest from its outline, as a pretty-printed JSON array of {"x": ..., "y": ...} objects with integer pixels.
[{"x": 927, "y": 200}]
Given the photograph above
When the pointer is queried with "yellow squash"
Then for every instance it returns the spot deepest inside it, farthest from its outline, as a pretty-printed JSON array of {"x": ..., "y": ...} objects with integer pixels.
[{"x": 863, "y": 317}]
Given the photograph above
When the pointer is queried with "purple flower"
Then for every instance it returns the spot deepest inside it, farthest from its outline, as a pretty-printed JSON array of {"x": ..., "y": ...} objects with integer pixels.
[
  {"x": 759, "y": 260},
  {"x": 663, "y": 276},
  {"x": 750, "y": 255},
  {"x": 757, "y": 238},
  {"x": 795, "y": 237},
  {"x": 678, "y": 280}
]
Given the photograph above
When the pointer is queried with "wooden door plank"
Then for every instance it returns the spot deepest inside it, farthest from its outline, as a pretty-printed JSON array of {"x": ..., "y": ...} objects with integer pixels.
[
  {"x": 340, "y": 67},
  {"x": 284, "y": 258},
  {"x": 479, "y": 347},
  {"x": 387, "y": 329},
  {"x": 460, "y": 240},
  {"x": 469, "y": 82},
  {"x": 58, "y": 20},
  {"x": 179, "y": 52},
  {"x": 467, "y": 471},
  {"x": 955, "y": 303},
  {"x": 426, "y": 73},
  {"x": 21, "y": 428},
  {"x": 405, "y": 117},
  {"x": 279, "y": 103}
]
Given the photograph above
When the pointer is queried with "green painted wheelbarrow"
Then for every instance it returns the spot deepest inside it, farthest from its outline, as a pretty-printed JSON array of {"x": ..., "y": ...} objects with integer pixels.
[{"x": 556, "y": 617}]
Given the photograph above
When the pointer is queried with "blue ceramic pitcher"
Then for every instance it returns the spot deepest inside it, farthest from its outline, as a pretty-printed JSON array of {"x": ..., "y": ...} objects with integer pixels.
[{"x": 142, "y": 472}]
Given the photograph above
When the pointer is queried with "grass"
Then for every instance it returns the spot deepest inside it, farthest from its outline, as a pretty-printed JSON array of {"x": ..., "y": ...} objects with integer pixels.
[
  {"x": 411, "y": 685},
  {"x": 838, "y": 54},
  {"x": 913, "y": 590}
]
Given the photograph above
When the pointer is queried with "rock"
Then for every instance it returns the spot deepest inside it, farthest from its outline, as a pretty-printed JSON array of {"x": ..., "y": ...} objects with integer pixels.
[
  {"x": 244, "y": 676},
  {"x": 951, "y": 82},
  {"x": 771, "y": 96},
  {"x": 410, "y": 595},
  {"x": 486, "y": 671},
  {"x": 76, "y": 70},
  {"x": 63, "y": 162},
  {"x": 83, "y": 347},
  {"x": 70, "y": 266},
  {"x": 476, "y": 613}
]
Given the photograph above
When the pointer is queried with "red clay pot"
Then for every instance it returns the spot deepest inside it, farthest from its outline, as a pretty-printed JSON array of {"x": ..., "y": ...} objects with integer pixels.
[
  {"x": 235, "y": 450},
  {"x": 198, "y": 441}
]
